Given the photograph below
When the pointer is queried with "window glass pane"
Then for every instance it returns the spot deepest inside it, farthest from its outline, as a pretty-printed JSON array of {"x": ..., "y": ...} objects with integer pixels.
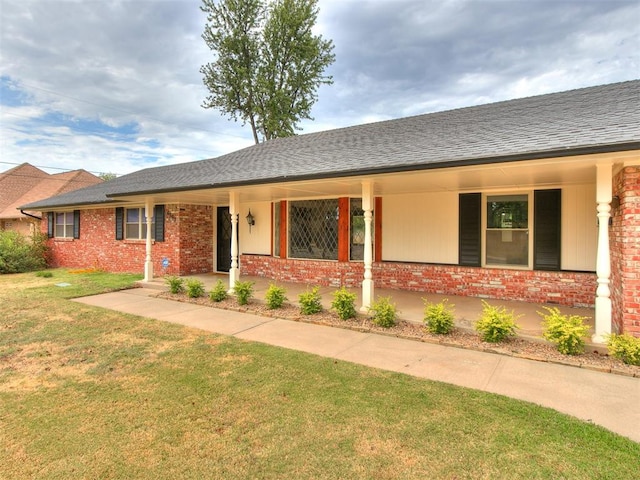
[
  {"x": 507, "y": 240},
  {"x": 508, "y": 211},
  {"x": 276, "y": 229},
  {"x": 133, "y": 231},
  {"x": 313, "y": 229},
  {"x": 508, "y": 247},
  {"x": 356, "y": 230},
  {"x": 133, "y": 215}
]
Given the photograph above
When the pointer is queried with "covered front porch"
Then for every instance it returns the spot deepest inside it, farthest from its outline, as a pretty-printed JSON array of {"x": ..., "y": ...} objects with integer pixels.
[{"x": 410, "y": 304}]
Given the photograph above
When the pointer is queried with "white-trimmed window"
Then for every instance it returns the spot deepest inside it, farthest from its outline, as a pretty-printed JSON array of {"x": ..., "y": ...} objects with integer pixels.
[
  {"x": 507, "y": 239},
  {"x": 136, "y": 224},
  {"x": 63, "y": 225}
]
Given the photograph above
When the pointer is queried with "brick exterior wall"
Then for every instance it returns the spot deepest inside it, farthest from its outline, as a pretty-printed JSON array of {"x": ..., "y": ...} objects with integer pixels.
[
  {"x": 624, "y": 237},
  {"x": 562, "y": 288},
  {"x": 188, "y": 244},
  {"x": 311, "y": 272}
]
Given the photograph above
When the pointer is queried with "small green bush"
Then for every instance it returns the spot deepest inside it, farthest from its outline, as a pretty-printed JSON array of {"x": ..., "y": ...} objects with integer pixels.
[
  {"x": 243, "y": 291},
  {"x": 19, "y": 254},
  {"x": 219, "y": 292},
  {"x": 195, "y": 288},
  {"x": 565, "y": 331},
  {"x": 175, "y": 284},
  {"x": 275, "y": 296},
  {"x": 496, "y": 324},
  {"x": 625, "y": 347},
  {"x": 344, "y": 303},
  {"x": 310, "y": 301},
  {"x": 44, "y": 274},
  {"x": 438, "y": 317},
  {"x": 384, "y": 312}
]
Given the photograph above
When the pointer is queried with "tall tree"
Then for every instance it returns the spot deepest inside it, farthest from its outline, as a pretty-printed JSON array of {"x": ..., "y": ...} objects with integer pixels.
[{"x": 268, "y": 63}]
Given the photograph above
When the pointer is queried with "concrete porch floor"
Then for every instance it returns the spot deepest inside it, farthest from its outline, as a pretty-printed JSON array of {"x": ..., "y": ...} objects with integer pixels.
[{"x": 410, "y": 304}]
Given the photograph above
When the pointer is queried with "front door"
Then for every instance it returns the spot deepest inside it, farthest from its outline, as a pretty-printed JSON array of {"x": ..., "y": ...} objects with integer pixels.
[{"x": 224, "y": 240}]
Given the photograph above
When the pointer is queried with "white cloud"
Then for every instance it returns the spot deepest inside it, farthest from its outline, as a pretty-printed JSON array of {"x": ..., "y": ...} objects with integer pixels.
[{"x": 128, "y": 71}]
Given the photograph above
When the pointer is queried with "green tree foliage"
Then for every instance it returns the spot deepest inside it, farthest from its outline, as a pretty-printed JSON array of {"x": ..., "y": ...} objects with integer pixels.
[
  {"x": 268, "y": 63},
  {"x": 106, "y": 176},
  {"x": 20, "y": 254}
]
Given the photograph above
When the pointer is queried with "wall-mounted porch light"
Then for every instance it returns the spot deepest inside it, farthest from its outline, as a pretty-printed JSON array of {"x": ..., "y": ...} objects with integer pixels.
[{"x": 250, "y": 220}]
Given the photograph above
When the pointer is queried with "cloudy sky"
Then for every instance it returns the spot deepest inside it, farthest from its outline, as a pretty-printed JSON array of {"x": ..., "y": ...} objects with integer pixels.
[{"x": 114, "y": 85}]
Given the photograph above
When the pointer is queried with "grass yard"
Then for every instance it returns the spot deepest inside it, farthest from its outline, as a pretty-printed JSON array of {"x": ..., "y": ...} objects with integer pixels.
[{"x": 90, "y": 393}]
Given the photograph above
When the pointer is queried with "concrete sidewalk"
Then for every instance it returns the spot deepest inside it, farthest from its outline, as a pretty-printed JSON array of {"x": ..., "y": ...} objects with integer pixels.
[{"x": 612, "y": 401}]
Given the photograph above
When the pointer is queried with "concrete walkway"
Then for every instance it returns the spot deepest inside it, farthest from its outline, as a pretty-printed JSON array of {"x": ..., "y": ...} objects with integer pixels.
[{"x": 612, "y": 401}]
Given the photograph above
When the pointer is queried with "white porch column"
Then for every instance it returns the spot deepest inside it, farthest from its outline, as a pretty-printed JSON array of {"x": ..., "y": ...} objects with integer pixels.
[
  {"x": 367, "y": 283},
  {"x": 603, "y": 258},
  {"x": 234, "y": 209},
  {"x": 148, "y": 262}
]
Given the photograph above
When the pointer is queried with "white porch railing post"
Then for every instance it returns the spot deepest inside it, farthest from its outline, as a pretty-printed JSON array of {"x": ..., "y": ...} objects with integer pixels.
[
  {"x": 367, "y": 282},
  {"x": 234, "y": 208},
  {"x": 148, "y": 262},
  {"x": 603, "y": 256}
]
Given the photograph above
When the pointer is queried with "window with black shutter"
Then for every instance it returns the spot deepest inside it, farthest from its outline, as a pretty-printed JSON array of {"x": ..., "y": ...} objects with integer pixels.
[
  {"x": 547, "y": 206},
  {"x": 50, "y": 225},
  {"x": 119, "y": 223},
  {"x": 158, "y": 213},
  {"x": 469, "y": 229},
  {"x": 76, "y": 224}
]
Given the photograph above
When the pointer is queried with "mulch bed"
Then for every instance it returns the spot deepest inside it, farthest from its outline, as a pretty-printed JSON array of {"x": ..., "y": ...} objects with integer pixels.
[{"x": 528, "y": 348}]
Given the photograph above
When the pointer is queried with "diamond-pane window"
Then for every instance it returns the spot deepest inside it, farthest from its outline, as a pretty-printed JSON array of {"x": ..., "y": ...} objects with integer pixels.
[
  {"x": 356, "y": 247},
  {"x": 313, "y": 229}
]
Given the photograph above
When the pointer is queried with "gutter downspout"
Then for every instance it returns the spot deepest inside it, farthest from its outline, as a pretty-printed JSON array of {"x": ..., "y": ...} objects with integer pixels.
[{"x": 29, "y": 215}]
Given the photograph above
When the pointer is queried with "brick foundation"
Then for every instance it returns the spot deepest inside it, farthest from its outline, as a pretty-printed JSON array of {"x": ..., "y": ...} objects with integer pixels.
[{"x": 562, "y": 288}]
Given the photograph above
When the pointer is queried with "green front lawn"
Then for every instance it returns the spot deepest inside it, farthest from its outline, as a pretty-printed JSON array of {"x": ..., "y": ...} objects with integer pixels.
[{"x": 90, "y": 393}]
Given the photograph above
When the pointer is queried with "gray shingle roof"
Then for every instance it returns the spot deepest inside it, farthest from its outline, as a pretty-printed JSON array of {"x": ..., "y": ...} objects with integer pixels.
[{"x": 593, "y": 119}]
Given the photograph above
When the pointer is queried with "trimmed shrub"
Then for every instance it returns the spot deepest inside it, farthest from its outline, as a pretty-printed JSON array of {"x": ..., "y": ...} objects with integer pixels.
[
  {"x": 19, "y": 254},
  {"x": 565, "y": 331},
  {"x": 383, "y": 312},
  {"x": 496, "y": 324},
  {"x": 625, "y": 347},
  {"x": 438, "y": 317},
  {"x": 344, "y": 303},
  {"x": 219, "y": 292},
  {"x": 275, "y": 296},
  {"x": 195, "y": 288},
  {"x": 46, "y": 274},
  {"x": 175, "y": 284},
  {"x": 310, "y": 301},
  {"x": 243, "y": 291}
]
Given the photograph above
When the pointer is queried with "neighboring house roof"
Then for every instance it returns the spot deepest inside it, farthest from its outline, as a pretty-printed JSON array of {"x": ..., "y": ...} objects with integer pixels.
[
  {"x": 27, "y": 184},
  {"x": 588, "y": 120}
]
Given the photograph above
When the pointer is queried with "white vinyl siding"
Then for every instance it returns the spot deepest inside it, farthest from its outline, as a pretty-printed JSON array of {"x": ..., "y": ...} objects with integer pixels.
[
  {"x": 258, "y": 240},
  {"x": 579, "y": 228},
  {"x": 420, "y": 228}
]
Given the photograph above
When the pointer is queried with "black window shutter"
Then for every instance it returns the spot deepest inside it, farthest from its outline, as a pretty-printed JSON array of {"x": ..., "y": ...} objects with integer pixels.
[
  {"x": 547, "y": 206},
  {"x": 469, "y": 229},
  {"x": 158, "y": 213},
  {"x": 119, "y": 223},
  {"x": 50, "y": 224},
  {"x": 76, "y": 224}
]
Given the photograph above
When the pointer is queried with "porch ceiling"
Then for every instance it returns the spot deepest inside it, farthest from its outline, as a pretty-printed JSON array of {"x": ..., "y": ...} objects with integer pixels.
[{"x": 521, "y": 175}]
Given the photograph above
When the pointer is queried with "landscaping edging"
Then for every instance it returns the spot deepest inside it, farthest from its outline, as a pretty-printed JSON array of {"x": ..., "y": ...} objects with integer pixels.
[{"x": 534, "y": 349}]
